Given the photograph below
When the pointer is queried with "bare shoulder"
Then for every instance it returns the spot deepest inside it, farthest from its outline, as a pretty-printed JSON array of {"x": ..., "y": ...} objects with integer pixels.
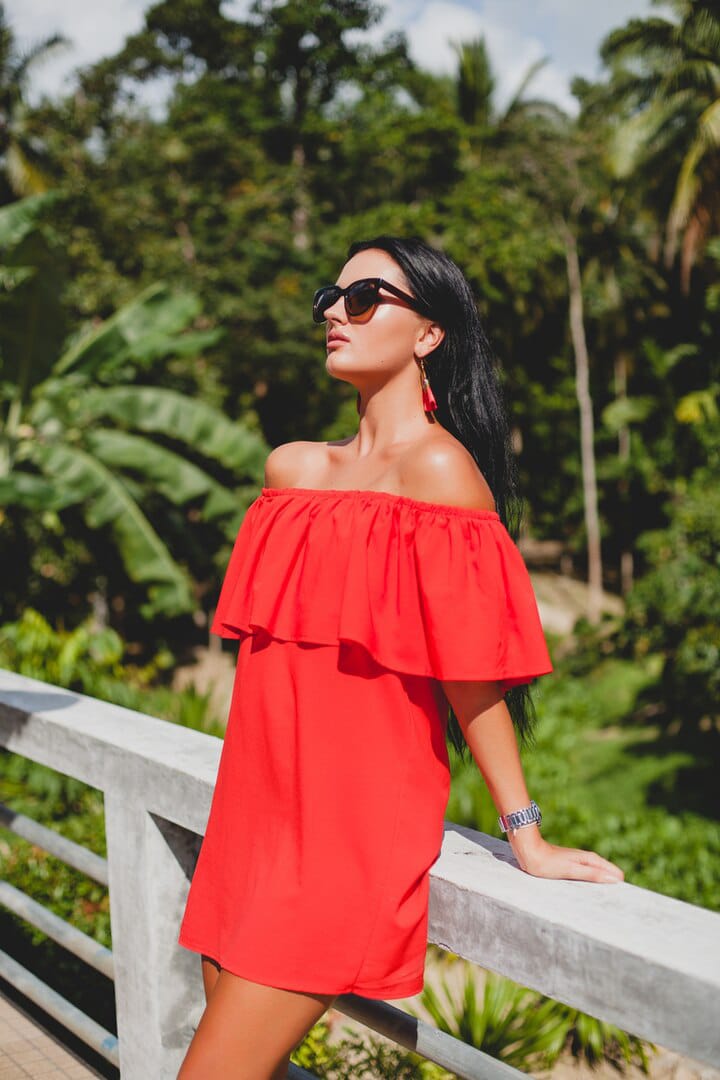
[
  {"x": 444, "y": 471},
  {"x": 288, "y": 464}
]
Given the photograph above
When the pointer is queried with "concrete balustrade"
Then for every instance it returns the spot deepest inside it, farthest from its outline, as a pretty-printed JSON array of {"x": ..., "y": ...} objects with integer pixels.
[{"x": 648, "y": 963}]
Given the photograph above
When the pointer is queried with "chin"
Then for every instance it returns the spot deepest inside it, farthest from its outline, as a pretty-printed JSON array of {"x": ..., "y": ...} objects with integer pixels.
[{"x": 337, "y": 369}]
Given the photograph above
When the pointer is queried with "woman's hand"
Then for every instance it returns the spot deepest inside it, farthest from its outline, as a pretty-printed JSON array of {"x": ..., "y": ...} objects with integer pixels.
[
  {"x": 538, "y": 857},
  {"x": 488, "y": 729}
]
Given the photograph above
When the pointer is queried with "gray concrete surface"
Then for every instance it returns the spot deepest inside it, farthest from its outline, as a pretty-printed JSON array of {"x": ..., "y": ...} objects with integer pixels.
[{"x": 625, "y": 954}]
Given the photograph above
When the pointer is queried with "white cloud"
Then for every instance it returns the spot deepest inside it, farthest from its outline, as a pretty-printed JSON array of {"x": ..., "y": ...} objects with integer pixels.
[
  {"x": 433, "y": 26},
  {"x": 571, "y": 30},
  {"x": 518, "y": 32},
  {"x": 95, "y": 29}
]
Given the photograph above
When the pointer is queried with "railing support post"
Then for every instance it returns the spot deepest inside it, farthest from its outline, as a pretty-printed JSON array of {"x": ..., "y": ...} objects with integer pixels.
[{"x": 158, "y": 984}]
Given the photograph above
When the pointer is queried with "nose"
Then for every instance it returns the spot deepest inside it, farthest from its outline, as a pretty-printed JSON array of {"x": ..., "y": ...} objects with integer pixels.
[{"x": 336, "y": 313}]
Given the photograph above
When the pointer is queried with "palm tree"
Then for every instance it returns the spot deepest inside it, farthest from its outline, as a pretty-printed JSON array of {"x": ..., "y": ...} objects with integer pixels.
[
  {"x": 665, "y": 80},
  {"x": 475, "y": 86},
  {"x": 537, "y": 141},
  {"x": 75, "y": 432},
  {"x": 21, "y": 156}
]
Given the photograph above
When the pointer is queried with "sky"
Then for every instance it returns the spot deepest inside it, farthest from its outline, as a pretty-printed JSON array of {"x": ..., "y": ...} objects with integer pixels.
[{"x": 518, "y": 32}]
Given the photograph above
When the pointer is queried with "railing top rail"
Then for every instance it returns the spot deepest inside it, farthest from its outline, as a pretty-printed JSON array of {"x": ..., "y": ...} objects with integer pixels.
[
  {"x": 622, "y": 953},
  {"x": 169, "y": 768}
]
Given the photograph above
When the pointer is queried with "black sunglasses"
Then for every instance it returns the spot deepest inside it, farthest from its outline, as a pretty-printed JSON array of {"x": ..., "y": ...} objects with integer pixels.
[{"x": 359, "y": 297}]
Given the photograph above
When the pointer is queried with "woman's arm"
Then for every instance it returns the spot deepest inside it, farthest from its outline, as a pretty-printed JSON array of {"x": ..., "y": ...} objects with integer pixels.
[{"x": 488, "y": 729}]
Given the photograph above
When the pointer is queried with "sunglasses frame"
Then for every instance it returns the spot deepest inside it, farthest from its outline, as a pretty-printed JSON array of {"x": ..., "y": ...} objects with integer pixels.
[{"x": 337, "y": 292}]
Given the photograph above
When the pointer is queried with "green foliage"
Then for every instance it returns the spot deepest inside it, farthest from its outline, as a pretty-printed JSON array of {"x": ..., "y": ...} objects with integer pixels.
[
  {"x": 56, "y": 450},
  {"x": 87, "y": 659},
  {"x": 675, "y": 854},
  {"x": 665, "y": 87},
  {"x": 674, "y": 610},
  {"x": 316, "y": 1053},
  {"x": 155, "y": 340},
  {"x": 606, "y": 784},
  {"x": 524, "y": 1029},
  {"x": 24, "y": 161},
  {"x": 363, "y": 1056},
  {"x": 90, "y": 659}
]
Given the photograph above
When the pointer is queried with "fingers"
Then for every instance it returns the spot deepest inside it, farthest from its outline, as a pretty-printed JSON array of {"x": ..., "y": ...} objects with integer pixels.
[
  {"x": 589, "y": 866},
  {"x": 574, "y": 864},
  {"x": 554, "y": 861}
]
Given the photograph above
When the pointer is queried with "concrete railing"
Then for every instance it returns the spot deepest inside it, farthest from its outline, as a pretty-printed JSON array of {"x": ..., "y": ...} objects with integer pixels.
[{"x": 643, "y": 961}]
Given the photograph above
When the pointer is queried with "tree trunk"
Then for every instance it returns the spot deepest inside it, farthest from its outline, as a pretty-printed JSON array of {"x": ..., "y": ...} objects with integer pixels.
[
  {"x": 626, "y": 555},
  {"x": 301, "y": 210},
  {"x": 587, "y": 427}
]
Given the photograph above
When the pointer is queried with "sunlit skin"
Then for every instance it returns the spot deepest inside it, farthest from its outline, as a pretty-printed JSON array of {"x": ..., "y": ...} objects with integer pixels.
[
  {"x": 248, "y": 1031},
  {"x": 378, "y": 359}
]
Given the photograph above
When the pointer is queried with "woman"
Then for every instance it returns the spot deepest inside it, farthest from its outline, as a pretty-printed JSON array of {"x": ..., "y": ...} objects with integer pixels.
[{"x": 372, "y": 585}]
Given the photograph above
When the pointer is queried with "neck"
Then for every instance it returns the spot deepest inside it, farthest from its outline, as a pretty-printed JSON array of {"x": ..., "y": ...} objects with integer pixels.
[{"x": 390, "y": 414}]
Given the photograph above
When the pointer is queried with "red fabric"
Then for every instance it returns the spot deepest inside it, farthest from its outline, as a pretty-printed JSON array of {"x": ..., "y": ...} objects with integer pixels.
[
  {"x": 328, "y": 809},
  {"x": 426, "y": 589}
]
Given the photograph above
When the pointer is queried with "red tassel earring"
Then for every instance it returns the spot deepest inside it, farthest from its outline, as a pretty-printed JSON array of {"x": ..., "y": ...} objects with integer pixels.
[{"x": 429, "y": 402}]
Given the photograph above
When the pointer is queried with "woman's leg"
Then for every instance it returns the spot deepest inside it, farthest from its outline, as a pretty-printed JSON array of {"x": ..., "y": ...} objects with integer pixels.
[{"x": 248, "y": 1030}]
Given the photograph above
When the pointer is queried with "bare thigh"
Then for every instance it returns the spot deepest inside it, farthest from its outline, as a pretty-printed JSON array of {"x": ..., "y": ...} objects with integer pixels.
[{"x": 248, "y": 1030}]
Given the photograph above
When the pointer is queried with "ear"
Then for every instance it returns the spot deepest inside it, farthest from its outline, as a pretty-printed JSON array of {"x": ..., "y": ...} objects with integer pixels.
[{"x": 428, "y": 339}]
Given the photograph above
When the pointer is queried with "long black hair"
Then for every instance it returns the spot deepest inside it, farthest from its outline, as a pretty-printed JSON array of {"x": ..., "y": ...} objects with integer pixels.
[{"x": 464, "y": 375}]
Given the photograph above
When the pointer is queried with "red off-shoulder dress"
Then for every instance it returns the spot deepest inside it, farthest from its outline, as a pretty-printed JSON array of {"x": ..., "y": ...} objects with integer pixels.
[{"x": 328, "y": 810}]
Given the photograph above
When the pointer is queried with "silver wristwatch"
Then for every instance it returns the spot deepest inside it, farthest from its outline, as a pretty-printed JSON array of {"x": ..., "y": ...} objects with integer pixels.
[{"x": 517, "y": 818}]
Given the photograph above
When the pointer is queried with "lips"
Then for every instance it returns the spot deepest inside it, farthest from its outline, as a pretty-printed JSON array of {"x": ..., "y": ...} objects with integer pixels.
[{"x": 336, "y": 339}]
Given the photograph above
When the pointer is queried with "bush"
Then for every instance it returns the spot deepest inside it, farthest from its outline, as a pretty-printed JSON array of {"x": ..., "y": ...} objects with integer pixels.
[
  {"x": 674, "y": 611},
  {"x": 525, "y": 1029}
]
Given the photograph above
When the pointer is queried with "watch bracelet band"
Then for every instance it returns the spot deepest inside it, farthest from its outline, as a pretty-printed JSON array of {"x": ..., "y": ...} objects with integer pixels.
[{"x": 528, "y": 815}]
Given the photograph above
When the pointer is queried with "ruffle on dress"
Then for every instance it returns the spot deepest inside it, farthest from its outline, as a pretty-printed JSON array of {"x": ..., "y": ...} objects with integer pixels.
[{"x": 426, "y": 589}]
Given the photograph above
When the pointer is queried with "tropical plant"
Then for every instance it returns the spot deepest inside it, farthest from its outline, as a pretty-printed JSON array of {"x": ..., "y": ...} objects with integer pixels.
[
  {"x": 355, "y": 1056},
  {"x": 674, "y": 609},
  {"x": 475, "y": 89},
  {"x": 67, "y": 438},
  {"x": 559, "y": 165},
  {"x": 665, "y": 84},
  {"x": 23, "y": 158},
  {"x": 525, "y": 1029},
  {"x": 92, "y": 660}
]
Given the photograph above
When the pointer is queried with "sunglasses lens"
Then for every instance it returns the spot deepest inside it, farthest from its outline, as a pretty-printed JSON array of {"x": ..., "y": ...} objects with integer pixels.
[
  {"x": 361, "y": 297},
  {"x": 323, "y": 299}
]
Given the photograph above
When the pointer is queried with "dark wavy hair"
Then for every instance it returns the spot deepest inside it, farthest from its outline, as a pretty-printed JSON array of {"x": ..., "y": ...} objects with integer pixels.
[{"x": 464, "y": 375}]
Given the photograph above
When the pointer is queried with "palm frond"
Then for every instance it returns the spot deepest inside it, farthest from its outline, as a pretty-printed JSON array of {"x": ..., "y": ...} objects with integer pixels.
[
  {"x": 26, "y": 177},
  {"x": 41, "y": 51},
  {"x": 167, "y": 412},
  {"x": 142, "y": 325},
  {"x": 688, "y": 182},
  {"x": 19, "y": 218},
  {"x": 692, "y": 73},
  {"x": 475, "y": 81},
  {"x": 105, "y": 500},
  {"x": 516, "y": 100},
  {"x": 709, "y": 126},
  {"x": 630, "y": 141},
  {"x": 176, "y": 479},
  {"x": 31, "y": 492},
  {"x": 638, "y": 37}
]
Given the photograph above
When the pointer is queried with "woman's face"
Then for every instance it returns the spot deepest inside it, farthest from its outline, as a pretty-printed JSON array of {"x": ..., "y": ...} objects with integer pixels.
[{"x": 386, "y": 337}]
